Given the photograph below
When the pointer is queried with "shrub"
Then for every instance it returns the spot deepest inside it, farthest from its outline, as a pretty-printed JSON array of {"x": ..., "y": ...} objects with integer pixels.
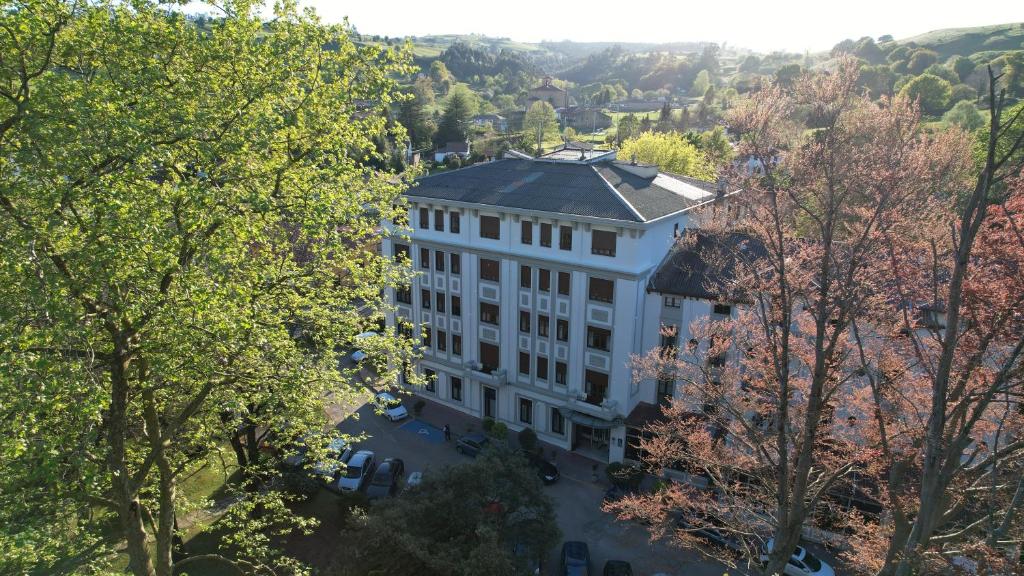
[
  {"x": 488, "y": 424},
  {"x": 417, "y": 408},
  {"x": 528, "y": 439},
  {"x": 299, "y": 484},
  {"x": 624, "y": 476},
  {"x": 499, "y": 431}
]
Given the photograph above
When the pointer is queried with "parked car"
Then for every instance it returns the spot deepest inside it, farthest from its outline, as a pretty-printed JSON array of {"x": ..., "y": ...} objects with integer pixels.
[
  {"x": 618, "y": 568},
  {"x": 546, "y": 471},
  {"x": 527, "y": 561},
  {"x": 390, "y": 406},
  {"x": 385, "y": 480},
  {"x": 801, "y": 563},
  {"x": 414, "y": 480},
  {"x": 575, "y": 559},
  {"x": 703, "y": 527},
  {"x": 358, "y": 469},
  {"x": 338, "y": 453},
  {"x": 471, "y": 444},
  {"x": 358, "y": 356},
  {"x": 616, "y": 493}
]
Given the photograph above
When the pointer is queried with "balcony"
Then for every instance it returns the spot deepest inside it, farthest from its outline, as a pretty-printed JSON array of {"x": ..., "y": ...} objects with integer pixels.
[
  {"x": 597, "y": 407},
  {"x": 487, "y": 374}
]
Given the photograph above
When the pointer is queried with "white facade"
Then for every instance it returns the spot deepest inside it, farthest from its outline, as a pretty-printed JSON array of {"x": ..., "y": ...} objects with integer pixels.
[{"x": 568, "y": 340}]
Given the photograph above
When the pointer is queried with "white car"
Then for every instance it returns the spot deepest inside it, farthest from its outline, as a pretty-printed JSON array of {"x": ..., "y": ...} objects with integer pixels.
[
  {"x": 338, "y": 452},
  {"x": 357, "y": 470},
  {"x": 391, "y": 407},
  {"x": 801, "y": 563},
  {"x": 358, "y": 356}
]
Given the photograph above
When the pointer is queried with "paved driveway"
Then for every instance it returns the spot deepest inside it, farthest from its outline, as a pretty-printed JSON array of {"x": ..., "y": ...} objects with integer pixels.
[{"x": 577, "y": 497}]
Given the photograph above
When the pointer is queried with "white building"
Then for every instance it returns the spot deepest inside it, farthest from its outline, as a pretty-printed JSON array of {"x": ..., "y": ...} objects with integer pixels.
[{"x": 532, "y": 292}]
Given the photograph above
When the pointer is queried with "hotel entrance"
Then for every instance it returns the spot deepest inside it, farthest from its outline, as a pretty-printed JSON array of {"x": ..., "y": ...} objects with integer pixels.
[{"x": 590, "y": 441}]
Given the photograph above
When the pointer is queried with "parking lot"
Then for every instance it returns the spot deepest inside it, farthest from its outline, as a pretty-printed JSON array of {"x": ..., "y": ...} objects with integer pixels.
[{"x": 418, "y": 441}]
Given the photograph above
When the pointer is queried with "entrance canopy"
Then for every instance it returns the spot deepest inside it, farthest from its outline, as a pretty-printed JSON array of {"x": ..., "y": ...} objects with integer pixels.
[{"x": 588, "y": 420}]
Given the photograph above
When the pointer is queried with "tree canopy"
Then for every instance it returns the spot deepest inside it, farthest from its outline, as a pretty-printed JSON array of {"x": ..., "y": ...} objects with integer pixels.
[
  {"x": 187, "y": 222},
  {"x": 671, "y": 152}
]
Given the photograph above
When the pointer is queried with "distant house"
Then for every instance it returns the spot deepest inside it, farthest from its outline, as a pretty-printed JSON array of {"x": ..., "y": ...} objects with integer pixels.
[
  {"x": 548, "y": 92},
  {"x": 637, "y": 105},
  {"x": 497, "y": 121},
  {"x": 585, "y": 119},
  {"x": 460, "y": 149}
]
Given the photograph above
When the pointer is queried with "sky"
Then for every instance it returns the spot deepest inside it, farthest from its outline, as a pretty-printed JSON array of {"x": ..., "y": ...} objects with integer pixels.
[{"x": 764, "y": 25}]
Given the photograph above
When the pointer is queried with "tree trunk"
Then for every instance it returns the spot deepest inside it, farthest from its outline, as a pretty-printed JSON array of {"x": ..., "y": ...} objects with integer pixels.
[{"x": 128, "y": 507}]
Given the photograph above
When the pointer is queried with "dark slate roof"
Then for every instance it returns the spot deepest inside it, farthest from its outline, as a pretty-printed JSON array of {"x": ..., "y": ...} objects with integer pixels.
[
  {"x": 703, "y": 265},
  {"x": 573, "y": 188}
]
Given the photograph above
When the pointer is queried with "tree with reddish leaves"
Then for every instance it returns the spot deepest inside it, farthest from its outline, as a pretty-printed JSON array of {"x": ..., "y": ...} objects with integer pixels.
[
  {"x": 766, "y": 401},
  {"x": 943, "y": 366}
]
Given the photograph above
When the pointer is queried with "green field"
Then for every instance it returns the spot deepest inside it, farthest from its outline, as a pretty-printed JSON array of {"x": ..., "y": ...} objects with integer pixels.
[{"x": 967, "y": 41}]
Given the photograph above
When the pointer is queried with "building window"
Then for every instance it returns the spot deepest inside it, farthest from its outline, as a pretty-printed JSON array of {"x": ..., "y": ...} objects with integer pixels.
[
  {"x": 427, "y": 337},
  {"x": 525, "y": 275},
  {"x": 557, "y": 422},
  {"x": 424, "y": 218},
  {"x": 489, "y": 313},
  {"x": 456, "y": 345},
  {"x": 431, "y": 378},
  {"x": 598, "y": 338},
  {"x": 403, "y": 295},
  {"x": 402, "y": 250},
  {"x": 669, "y": 336},
  {"x": 542, "y": 368},
  {"x": 456, "y": 306},
  {"x": 561, "y": 371},
  {"x": 527, "y": 232},
  {"x": 488, "y": 357},
  {"x": 525, "y": 411},
  {"x": 524, "y": 363},
  {"x": 602, "y": 243},
  {"x": 723, "y": 309},
  {"x": 453, "y": 222},
  {"x": 490, "y": 402},
  {"x": 425, "y": 299},
  {"x": 601, "y": 290},
  {"x": 672, "y": 302},
  {"x": 545, "y": 235},
  {"x": 564, "y": 283},
  {"x": 565, "y": 237},
  {"x": 425, "y": 258},
  {"x": 442, "y": 341},
  {"x": 490, "y": 227},
  {"x": 666, "y": 388},
  {"x": 595, "y": 384},
  {"x": 439, "y": 220},
  {"x": 544, "y": 280},
  {"x": 439, "y": 261},
  {"x": 456, "y": 265},
  {"x": 562, "y": 330},
  {"x": 440, "y": 300},
  {"x": 542, "y": 325},
  {"x": 489, "y": 270},
  {"x": 524, "y": 321},
  {"x": 456, "y": 387}
]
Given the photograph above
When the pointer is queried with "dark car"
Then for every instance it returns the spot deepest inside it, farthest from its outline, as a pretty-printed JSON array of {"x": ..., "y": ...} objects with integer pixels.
[
  {"x": 618, "y": 568},
  {"x": 703, "y": 527},
  {"x": 471, "y": 444},
  {"x": 527, "y": 562},
  {"x": 385, "y": 479},
  {"x": 546, "y": 471},
  {"x": 575, "y": 559},
  {"x": 616, "y": 493}
]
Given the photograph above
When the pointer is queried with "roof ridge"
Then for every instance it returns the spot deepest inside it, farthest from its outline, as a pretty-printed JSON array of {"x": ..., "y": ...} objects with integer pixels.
[
  {"x": 617, "y": 193},
  {"x": 474, "y": 165}
]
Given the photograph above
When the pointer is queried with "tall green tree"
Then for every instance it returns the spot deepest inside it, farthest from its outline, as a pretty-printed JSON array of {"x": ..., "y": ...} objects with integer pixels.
[
  {"x": 187, "y": 221},
  {"x": 540, "y": 121},
  {"x": 459, "y": 107}
]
